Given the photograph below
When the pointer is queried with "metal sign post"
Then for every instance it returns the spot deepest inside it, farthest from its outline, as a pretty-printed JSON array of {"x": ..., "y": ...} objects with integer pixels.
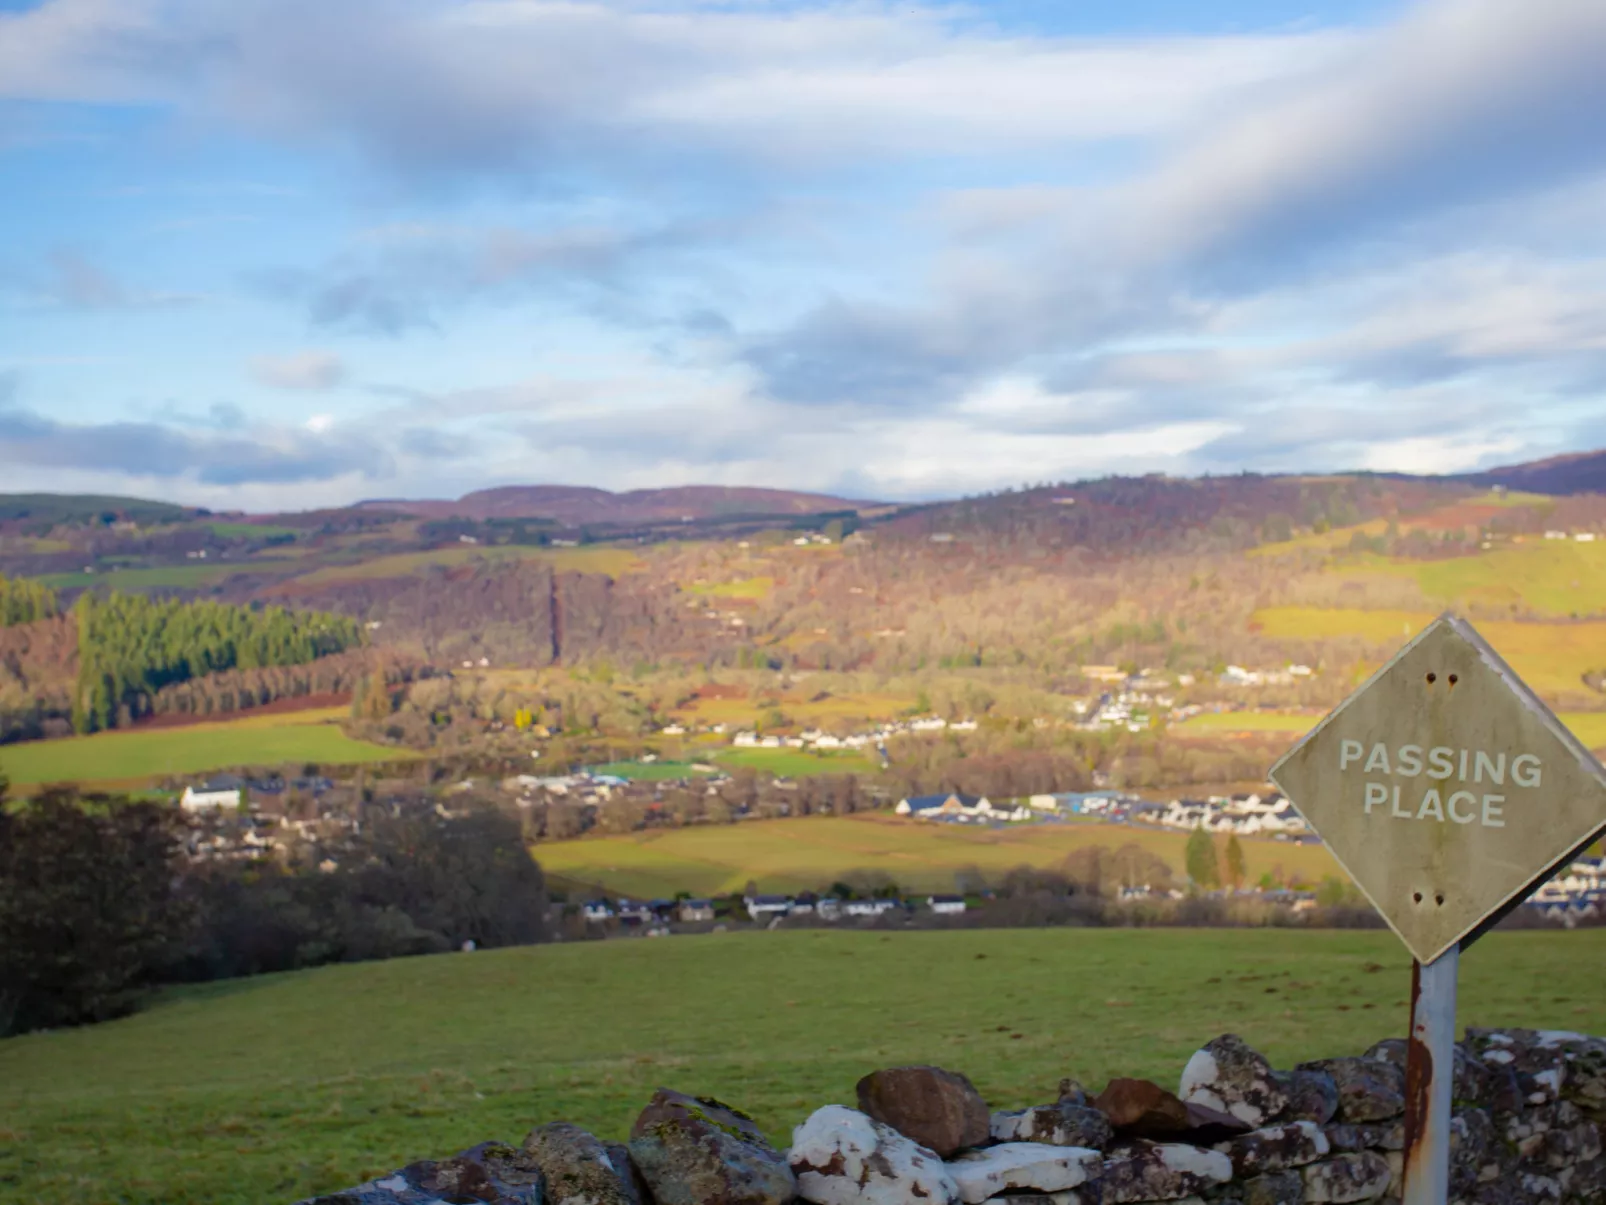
[
  {"x": 1429, "y": 1080},
  {"x": 1448, "y": 792}
]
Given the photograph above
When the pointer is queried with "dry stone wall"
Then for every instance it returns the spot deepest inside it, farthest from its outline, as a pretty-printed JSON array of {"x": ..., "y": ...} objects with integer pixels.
[{"x": 1530, "y": 1107}]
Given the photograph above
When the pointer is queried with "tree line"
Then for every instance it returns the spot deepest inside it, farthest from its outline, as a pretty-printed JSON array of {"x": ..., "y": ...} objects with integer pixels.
[
  {"x": 131, "y": 647},
  {"x": 25, "y": 601},
  {"x": 98, "y": 902}
]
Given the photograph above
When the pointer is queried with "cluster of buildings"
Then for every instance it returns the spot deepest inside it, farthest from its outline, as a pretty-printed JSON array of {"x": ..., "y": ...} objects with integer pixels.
[
  {"x": 814, "y": 738},
  {"x": 1237, "y": 675},
  {"x": 1247, "y": 815},
  {"x": 232, "y": 791},
  {"x": 1250, "y": 815},
  {"x": 758, "y": 909},
  {"x": 1578, "y": 893}
]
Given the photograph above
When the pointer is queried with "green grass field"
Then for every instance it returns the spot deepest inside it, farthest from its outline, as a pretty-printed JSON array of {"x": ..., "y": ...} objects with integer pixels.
[
  {"x": 1554, "y": 577},
  {"x": 592, "y": 559},
  {"x": 263, "y": 1091},
  {"x": 749, "y": 587},
  {"x": 797, "y": 763},
  {"x": 814, "y": 851},
  {"x": 122, "y": 757},
  {"x": 182, "y": 577},
  {"x": 1587, "y": 726},
  {"x": 1550, "y": 657}
]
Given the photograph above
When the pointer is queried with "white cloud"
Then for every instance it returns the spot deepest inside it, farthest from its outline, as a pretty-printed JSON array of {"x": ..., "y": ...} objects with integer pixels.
[
  {"x": 306, "y": 370},
  {"x": 1437, "y": 454}
]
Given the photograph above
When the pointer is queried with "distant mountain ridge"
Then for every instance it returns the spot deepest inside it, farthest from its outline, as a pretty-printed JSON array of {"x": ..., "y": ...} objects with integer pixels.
[
  {"x": 575, "y": 505},
  {"x": 1574, "y": 473}
]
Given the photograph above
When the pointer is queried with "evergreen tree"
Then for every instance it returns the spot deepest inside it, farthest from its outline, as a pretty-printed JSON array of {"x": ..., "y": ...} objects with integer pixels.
[
  {"x": 24, "y": 601},
  {"x": 130, "y": 647},
  {"x": 1204, "y": 868},
  {"x": 1236, "y": 872}
]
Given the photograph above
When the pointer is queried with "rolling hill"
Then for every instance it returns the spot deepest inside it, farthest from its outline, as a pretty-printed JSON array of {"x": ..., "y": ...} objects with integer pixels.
[{"x": 580, "y": 506}]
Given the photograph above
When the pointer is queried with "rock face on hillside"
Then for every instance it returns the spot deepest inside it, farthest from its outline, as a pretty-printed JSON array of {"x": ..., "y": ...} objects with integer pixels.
[{"x": 1527, "y": 1127}]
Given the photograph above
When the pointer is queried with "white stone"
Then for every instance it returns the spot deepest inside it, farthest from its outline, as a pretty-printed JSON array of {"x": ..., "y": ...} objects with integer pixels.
[
  {"x": 1195, "y": 1161},
  {"x": 983, "y": 1174},
  {"x": 1197, "y": 1078},
  {"x": 1556, "y": 1037},
  {"x": 842, "y": 1157}
]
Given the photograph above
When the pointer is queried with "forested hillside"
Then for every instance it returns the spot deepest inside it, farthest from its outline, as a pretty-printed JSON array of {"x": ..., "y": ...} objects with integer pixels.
[
  {"x": 114, "y": 658},
  {"x": 23, "y": 601},
  {"x": 130, "y": 647}
]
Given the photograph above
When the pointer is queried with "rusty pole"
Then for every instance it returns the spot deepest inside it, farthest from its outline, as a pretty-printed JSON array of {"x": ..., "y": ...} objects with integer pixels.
[{"x": 1429, "y": 1078}]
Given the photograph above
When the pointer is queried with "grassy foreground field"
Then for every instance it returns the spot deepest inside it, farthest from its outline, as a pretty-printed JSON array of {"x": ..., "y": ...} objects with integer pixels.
[
  {"x": 268, "y": 1090},
  {"x": 811, "y": 852},
  {"x": 123, "y": 757}
]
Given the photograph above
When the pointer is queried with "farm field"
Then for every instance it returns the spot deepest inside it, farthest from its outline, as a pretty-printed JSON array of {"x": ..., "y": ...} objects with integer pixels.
[
  {"x": 267, "y": 1090},
  {"x": 598, "y": 559},
  {"x": 1555, "y": 577},
  {"x": 182, "y": 577},
  {"x": 795, "y": 763},
  {"x": 1550, "y": 657},
  {"x": 1587, "y": 726},
  {"x": 812, "y": 852},
  {"x": 125, "y": 757},
  {"x": 747, "y": 711},
  {"x": 791, "y": 763}
]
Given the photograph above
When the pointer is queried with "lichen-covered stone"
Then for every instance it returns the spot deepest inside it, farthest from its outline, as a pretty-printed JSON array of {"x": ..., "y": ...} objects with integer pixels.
[
  {"x": 1276, "y": 1148},
  {"x": 1474, "y": 1082},
  {"x": 940, "y": 1110},
  {"x": 1312, "y": 1096},
  {"x": 1034, "y": 1166},
  {"x": 1584, "y": 1061},
  {"x": 1363, "y": 1176},
  {"x": 1063, "y": 1124},
  {"x": 1161, "y": 1172},
  {"x": 1275, "y": 1188},
  {"x": 1230, "y": 1076},
  {"x": 1368, "y": 1090},
  {"x": 1534, "y": 1057},
  {"x": 698, "y": 1151},
  {"x": 578, "y": 1168},
  {"x": 489, "y": 1174},
  {"x": 843, "y": 1157}
]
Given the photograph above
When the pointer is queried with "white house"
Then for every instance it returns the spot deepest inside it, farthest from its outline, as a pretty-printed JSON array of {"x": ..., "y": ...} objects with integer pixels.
[
  {"x": 868, "y": 907},
  {"x": 930, "y": 806},
  {"x": 761, "y": 906},
  {"x": 696, "y": 910},
  {"x": 208, "y": 797},
  {"x": 946, "y": 905}
]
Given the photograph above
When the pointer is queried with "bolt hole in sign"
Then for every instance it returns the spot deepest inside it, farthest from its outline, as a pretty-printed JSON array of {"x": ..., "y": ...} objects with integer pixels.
[{"x": 1446, "y": 789}]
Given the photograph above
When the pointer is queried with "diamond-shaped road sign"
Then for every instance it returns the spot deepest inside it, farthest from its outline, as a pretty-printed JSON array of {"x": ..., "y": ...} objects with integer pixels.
[{"x": 1445, "y": 788}]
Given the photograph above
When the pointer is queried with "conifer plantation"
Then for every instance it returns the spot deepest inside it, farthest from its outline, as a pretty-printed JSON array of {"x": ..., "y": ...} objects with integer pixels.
[
  {"x": 24, "y": 601},
  {"x": 130, "y": 647}
]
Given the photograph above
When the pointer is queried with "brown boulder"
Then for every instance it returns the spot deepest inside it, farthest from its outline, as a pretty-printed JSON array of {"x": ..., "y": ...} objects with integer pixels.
[
  {"x": 1140, "y": 1108},
  {"x": 941, "y": 1110}
]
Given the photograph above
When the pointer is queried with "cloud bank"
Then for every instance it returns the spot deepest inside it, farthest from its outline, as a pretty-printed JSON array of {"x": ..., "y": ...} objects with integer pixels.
[{"x": 905, "y": 250}]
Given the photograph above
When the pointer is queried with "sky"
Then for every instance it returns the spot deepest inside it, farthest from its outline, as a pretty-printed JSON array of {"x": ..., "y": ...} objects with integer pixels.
[{"x": 281, "y": 254}]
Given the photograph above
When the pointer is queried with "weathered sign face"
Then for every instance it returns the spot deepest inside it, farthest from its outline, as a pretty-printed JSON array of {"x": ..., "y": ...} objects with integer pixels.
[{"x": 1445, "y": 787}]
